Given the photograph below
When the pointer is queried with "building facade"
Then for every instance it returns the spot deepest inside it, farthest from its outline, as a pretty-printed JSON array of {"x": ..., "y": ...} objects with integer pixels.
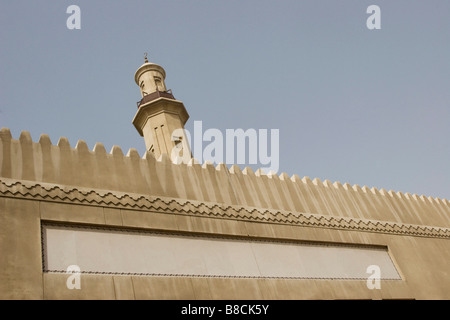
[{"x": 147, "y": 228}]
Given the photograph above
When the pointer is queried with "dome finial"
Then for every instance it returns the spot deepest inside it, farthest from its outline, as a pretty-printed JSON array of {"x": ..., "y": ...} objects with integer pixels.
[{"x": 145, "y": 57}]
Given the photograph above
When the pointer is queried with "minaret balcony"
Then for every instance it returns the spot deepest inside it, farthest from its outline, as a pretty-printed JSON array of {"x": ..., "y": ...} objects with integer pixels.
[{"x": 155, "y": 95}]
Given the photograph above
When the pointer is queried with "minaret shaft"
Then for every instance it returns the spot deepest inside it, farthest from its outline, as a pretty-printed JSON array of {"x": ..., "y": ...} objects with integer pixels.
[{"x": 160, "y": 116}]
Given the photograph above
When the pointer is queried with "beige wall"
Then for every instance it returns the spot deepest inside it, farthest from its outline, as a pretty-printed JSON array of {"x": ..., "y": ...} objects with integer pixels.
[
  {"x": 45, "y": 182},
  {"x": 80, "y": 167},
  {"x": 422, "y": 261},
  {"x": 20, "y": 250}
]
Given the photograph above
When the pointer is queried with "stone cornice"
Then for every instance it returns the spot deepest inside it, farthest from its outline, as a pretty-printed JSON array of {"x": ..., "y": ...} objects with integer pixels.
[{"x": 84, "y": 196}]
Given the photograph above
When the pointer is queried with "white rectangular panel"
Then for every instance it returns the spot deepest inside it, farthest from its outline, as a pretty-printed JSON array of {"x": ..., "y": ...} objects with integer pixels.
[{"x": 97, "y": 250}]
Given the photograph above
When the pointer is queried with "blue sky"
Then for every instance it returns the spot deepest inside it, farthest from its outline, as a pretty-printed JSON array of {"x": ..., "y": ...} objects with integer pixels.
[{"x": 367, "y": 107}]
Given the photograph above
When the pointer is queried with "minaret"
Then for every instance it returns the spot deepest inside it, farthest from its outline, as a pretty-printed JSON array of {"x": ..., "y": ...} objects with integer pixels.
[{"x": 159, "y": 114}]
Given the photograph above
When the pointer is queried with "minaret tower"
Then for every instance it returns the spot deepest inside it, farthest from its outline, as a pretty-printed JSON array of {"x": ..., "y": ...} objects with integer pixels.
[{"x": 159, "y": 114}]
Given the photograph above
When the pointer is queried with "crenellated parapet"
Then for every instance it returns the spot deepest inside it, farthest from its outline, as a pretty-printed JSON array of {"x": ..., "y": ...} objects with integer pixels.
[{"x": 130, "y": 174}]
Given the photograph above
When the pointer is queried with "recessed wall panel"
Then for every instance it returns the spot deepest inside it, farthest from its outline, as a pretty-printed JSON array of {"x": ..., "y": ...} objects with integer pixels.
[{"x": 102, "y": 250}]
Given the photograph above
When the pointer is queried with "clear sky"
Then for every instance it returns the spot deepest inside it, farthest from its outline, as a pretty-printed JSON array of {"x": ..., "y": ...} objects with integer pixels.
[{"x": 367, "y": 107}]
